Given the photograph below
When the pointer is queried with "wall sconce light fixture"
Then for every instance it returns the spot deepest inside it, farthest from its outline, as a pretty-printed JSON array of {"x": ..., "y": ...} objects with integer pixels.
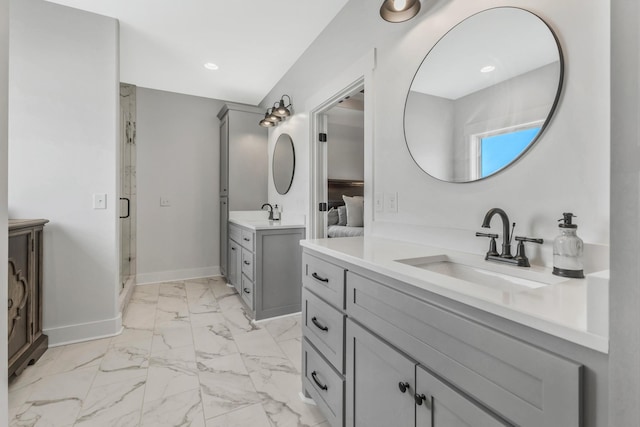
[
  {"x": 276, "y": 114},
  {"x": 399, "y": 10}
]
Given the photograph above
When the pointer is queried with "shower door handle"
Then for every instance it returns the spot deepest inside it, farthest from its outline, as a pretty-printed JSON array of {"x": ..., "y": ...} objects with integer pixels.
[{"x": 128, "y": 207}]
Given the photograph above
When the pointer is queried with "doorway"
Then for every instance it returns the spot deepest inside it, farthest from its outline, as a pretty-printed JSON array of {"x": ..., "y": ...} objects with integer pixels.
[
  {"x": 337, "y": 161},
  {"x": 127, "y": 191}
]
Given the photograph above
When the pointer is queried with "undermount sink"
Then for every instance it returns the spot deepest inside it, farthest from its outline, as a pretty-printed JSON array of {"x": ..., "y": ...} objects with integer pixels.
[{"x": 486, "y": 274}]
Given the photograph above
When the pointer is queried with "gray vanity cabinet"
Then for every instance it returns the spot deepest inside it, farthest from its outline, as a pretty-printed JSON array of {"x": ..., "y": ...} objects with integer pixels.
[
  {"x": 454, "y": 370},
  {"x": 264, "y": 267},
  {"x": 243, "y": 166}
]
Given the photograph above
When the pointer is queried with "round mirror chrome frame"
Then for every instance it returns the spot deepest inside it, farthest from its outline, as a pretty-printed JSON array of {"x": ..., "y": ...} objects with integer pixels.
[
  {"x": 280, "y": 186},
  {"x": 547, "y": 120}
]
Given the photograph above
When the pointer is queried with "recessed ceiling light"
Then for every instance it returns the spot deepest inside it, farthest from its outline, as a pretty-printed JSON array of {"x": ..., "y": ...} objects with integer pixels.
[
  {"x": 211, "y": 66},
  {"x": 487, "y": 69}
]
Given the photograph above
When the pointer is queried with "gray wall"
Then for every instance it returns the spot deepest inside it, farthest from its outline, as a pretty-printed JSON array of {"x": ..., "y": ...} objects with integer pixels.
[
  {"x": 63, "y": 147},
  {"x": 624, "y": 290},
  {"x": 4, "y": 101},
  {"x": 178, "y": 149},
  {"x": 345, "y": 151}
]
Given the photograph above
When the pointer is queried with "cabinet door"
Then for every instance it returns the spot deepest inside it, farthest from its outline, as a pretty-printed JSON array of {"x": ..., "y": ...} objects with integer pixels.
[
  {"x": 438, "y": 405},
  {"x": 224, "y": 230},
  {"x": 224, "y": 156},
  {"x": 377, "y": 374},
  {"x": 232, "y": 267}
]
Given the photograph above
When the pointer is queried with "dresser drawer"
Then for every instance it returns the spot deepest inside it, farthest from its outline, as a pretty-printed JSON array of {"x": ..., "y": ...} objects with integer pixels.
[
  {"x": 247, "y": 240},
  {"x": 235, "y": 233},
  {"x": 247, "y": 263},
  {"x": 247, "y": 291},
  {"x": 323, "y": 384},
  {"x": 323, "y": 278},
  {"x": 323, "y": 326}
]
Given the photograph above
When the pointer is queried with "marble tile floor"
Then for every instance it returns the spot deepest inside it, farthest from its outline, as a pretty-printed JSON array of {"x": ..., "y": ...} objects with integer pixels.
[{"x": 188, "y": 356}]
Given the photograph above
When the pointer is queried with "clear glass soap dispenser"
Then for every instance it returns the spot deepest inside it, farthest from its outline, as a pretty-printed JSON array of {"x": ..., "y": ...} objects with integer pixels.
[{"x": 567, "y": 249}]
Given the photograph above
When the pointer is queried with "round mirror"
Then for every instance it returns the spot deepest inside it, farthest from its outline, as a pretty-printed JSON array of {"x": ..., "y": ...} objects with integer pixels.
[
  {"x": 284, "y": 164},
  {"x": 483, "y": 95}
]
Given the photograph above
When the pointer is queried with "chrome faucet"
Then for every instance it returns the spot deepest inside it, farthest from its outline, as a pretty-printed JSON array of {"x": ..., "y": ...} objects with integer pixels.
[
  {"x": 270, "y": 210},
  {"x": 520, "y": 259}
]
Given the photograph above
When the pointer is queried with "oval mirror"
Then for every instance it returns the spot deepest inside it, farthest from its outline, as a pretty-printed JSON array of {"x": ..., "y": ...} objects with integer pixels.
[
  {"x": 483, "y": 95},
  {"x": 284, "y": 164}
]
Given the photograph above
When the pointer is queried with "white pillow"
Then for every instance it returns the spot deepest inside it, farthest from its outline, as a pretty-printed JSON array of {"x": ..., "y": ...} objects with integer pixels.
[
  {"x": 342, "y": 215},
  {"x": 355, "y": 209},
  {"x": 332, "y": 216}
]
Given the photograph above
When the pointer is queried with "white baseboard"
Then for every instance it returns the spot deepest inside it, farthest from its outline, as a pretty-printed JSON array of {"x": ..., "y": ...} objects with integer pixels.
[
  {"x": 173, "y": 275},
  {"x": 71, "y": 334}
]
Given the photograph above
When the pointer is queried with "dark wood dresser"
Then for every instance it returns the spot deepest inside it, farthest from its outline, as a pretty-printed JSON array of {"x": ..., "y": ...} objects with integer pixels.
[{"x": 26, "y": 340}]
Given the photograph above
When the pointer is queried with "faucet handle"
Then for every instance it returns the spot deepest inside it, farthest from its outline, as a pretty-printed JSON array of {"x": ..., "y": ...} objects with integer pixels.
[
  {"x": 529, "y": 239},
  {"x": 520, "y": 257},
  {"x": 493, "y": 251}
]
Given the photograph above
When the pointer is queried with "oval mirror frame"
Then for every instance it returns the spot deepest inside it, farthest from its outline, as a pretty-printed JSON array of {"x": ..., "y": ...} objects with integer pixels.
[
  {"x": 283, "y": 164},
  {"x": 459, "y": 159}
]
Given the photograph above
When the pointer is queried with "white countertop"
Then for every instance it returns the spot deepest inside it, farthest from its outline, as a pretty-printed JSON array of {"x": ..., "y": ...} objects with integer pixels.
[
  {"x": 572, "y": 309},
  {"x": 259, "y": 220}
]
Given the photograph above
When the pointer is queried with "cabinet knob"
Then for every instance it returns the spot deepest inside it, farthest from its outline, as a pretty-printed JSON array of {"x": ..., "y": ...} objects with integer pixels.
[
  {"x": 403, "y": 386},
  {"x": 422, "y": 398}
]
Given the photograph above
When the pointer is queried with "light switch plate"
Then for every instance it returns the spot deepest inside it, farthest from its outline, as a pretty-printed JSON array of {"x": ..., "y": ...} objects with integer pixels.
[
  {"x": 164, "y": 202},
  {"x": 391, "y": 202},
  {"x": 379, "y": 202},
  {"x": 99, "y": 201}
]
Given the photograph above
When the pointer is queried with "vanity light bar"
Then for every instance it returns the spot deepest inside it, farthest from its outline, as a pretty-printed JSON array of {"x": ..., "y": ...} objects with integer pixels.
[{"x": 276, "y": 114}]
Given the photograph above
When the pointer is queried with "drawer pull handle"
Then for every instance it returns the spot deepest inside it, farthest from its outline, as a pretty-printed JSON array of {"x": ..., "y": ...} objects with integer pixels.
[
  {"x": 10, "y": 303},
  {"x": 403, "y": 386},
  {"x": 422, "y": 398},
  {"x": 247, "y": 263},
  {"x": 246, "y": 240},
  {"x": 322, "y": 279},
  {"x": 315, "y": 379},
  {"x": 246, "y": 290},
  {"x": 319, "y": 325}
]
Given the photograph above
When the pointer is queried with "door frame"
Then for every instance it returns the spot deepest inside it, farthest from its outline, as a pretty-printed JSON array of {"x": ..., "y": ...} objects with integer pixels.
[{"x": 356, "y": 78}]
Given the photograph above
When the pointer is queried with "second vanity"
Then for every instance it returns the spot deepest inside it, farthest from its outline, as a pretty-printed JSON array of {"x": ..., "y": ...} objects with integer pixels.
[
  {"x": 264, "y": 263},
  {"x": 407, "y": 335}
]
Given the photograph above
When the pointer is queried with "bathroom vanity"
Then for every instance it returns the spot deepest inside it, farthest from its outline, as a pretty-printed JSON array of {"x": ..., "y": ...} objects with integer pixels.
[
  {"x": 407, "y": 335},
  {"x": 264, "y": 264}
]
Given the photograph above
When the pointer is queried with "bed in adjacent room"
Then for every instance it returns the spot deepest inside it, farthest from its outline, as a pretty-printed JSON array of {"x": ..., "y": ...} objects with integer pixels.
[{"x": 346, "y": 207}]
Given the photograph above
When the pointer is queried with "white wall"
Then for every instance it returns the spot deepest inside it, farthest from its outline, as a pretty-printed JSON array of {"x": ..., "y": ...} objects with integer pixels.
[
  {"x": 624, "y": 292},
  {"x": 178, "y": 149},
  {"x": 567, "y": 171},
  {"x": 63, "y": 122},
  {"x": 345, "y": 149},
  {"x": 4, "y": 103}
]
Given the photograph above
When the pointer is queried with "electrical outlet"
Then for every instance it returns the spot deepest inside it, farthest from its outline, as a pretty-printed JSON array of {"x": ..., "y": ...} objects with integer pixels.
[
  {"x": 379, "y": 202},
  {"x": 391, "y": 202},
  {"x": 99, "y": 201},
  {"x": 164, "y": 202}
]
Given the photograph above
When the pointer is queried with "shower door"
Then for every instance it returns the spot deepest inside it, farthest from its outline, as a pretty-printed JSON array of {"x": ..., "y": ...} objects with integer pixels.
[{"x": 127, "y": 182}]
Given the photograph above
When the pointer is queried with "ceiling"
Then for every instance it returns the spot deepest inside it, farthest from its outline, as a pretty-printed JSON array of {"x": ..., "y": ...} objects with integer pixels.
[{"x": 164, "y": 44}]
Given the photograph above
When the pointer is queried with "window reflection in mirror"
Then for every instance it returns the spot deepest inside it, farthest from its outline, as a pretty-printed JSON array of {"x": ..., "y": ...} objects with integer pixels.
[{"x": 497, "y": 72}]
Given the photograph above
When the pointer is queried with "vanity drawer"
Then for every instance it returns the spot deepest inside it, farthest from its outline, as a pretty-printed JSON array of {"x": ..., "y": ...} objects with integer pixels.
[
  {"x": 247, "y": 240},
  {"x": 323, "y": 326},
  {"x": 323, "y": 384},
  {"x": 235, "y": 233},
  {"x": 325, "y": 279},
  {"x": 247, "y": 263},
  {"x": 247, "y": 291},
  {"x": 521, "y": 382}
]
